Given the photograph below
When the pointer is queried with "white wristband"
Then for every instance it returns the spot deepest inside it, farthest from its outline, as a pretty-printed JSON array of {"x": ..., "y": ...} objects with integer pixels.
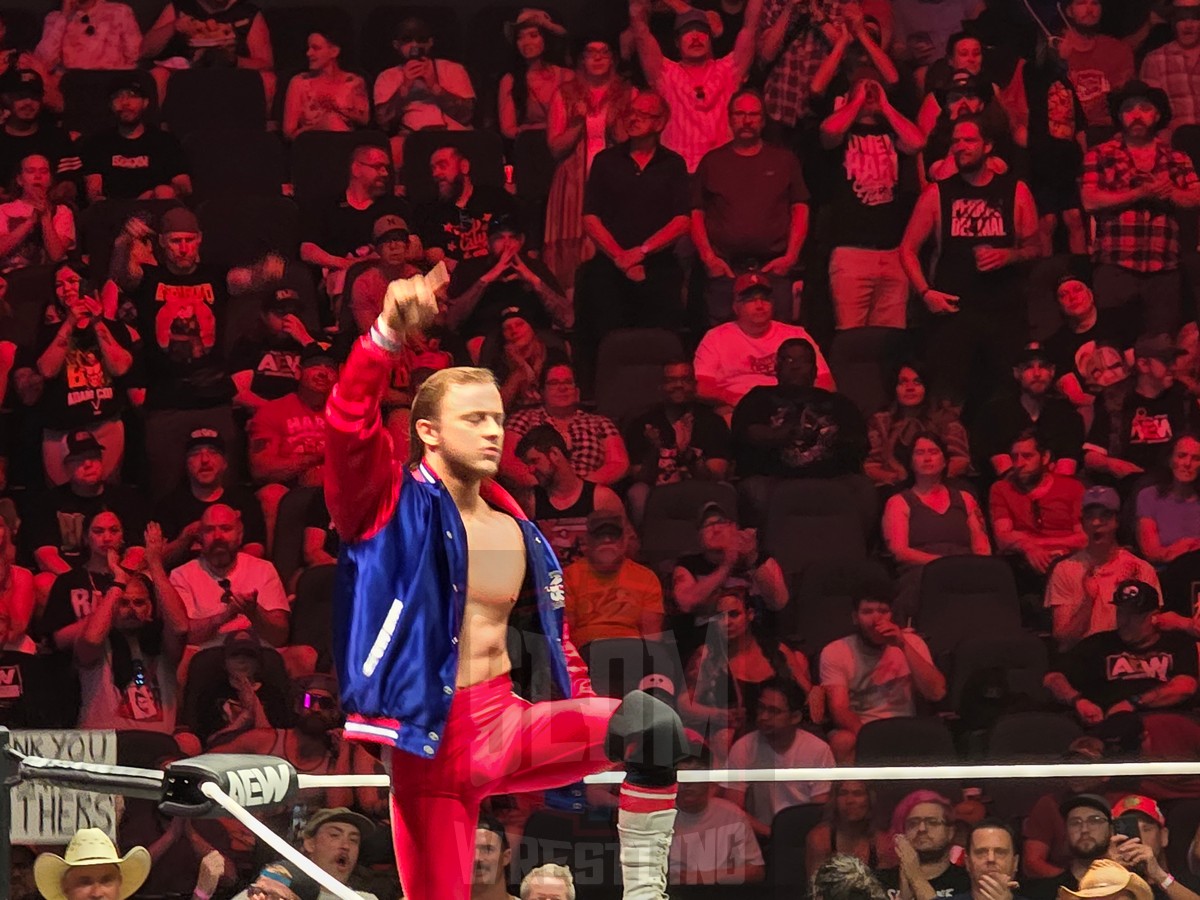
[
  {"x": 385, "y": 338},
  {"x": 1167, "y": 882}
]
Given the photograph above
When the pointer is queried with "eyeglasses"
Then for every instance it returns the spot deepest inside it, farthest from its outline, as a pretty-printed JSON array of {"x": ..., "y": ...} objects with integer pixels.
[
  {"x": 1077, "y": 824},
  {"x": 226, "y": 589},
  {"x": 254, "y": 892},
  {"x": 560, "y": 382},
  {"x": 319, "y": 701},
  {"x": 927, "y": 821},
  {"x": 87, "y": 21}
]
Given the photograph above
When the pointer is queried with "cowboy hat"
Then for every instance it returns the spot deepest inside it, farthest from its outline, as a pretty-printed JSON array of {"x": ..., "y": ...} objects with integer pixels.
[
  {"x": 90, "y": 847},
  {"x": 1106, "y": 878}
]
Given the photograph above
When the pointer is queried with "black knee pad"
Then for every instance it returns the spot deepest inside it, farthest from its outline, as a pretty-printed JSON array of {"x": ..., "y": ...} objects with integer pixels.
[{"x": 647, "y": 735}]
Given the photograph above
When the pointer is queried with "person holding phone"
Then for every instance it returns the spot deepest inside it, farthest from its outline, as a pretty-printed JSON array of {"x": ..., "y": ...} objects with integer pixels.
[{"x": 1139, "y": 843}]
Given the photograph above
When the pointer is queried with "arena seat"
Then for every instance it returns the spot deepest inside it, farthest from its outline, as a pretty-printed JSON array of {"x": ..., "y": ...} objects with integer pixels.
[
  {"x": 810, "y": 520},
  {"x": 629, "y": 370},
  {"x": 962, "y": 596},
  {"x": 203, "y": 99}
]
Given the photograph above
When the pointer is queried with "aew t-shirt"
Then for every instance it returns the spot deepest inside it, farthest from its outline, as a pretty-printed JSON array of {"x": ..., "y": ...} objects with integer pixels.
[
  {"x": 1144, "y": 427},
  {"x": 462, "y": 231},
  {"x": 1107, "y": 671},
  {"x": 868, "y": 208},
  {"x": 275, "y": 362},
  {"x": 128, "y": 167},
  {"x": 181, "y": 318}
]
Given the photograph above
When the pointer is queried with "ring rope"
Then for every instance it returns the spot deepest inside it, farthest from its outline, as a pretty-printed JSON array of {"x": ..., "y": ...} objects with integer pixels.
[{"x": 282, "y": 847}]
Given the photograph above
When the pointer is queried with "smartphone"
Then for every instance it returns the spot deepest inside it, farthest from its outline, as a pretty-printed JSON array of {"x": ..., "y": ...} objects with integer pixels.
[{"x": 1127, "y": 826}]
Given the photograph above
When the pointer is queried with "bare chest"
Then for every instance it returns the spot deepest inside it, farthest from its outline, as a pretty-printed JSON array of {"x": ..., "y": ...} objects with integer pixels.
[{"x": 495, "y": 560}]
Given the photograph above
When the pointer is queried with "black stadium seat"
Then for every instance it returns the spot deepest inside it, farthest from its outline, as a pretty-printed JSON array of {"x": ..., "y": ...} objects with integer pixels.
[
  {"x": 239, "y": 230},
  {"x": 810, "y": 520},
  {"x": 669, "y": 529},
  {"x": 320, "y": 163},
  {"x": 202, "y": 99},
  {"x": 963, "y": 596},
  {"x": 235, "y": 161},
  {"x": 629, "y": 370},
  {"x": 290, "y": 27}
]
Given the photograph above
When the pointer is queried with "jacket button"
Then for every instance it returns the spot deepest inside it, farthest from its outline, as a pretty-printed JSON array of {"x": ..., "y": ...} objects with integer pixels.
[
  {"x": 449, "y": 535},
  {"x": 433, "y": 736},
  {"x": 456, "y": 588},
  {"x": 454, "y": 640},
  {"x": 428, "y": 750},
  {"x": 447, "y": 690}
]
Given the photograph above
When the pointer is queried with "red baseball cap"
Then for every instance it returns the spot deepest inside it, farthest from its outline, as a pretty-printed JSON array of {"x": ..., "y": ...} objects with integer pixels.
[
  {"x": 1136, "y": 803},
  {"x": 751, "y": 282}
]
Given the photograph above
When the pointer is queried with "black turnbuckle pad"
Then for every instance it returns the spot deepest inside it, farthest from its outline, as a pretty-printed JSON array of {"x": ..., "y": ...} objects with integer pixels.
[{"x": 251, "y": 780}]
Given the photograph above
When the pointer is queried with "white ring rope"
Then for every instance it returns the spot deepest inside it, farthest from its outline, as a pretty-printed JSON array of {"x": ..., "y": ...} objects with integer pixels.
[{"x": 282, "y": 847}]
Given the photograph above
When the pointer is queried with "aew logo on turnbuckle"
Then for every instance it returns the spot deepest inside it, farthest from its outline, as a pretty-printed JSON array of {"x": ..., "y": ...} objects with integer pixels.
[
  {"x": 558, "y": 594},
  {"x": 260, "y": 786}
]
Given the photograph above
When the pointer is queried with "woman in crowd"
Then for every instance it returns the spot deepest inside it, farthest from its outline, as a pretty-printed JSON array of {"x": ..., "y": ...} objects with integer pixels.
[
  {"x": 586, "y": 116},
  {"x": 518, "y": 358},
  {"x": 16, "y": 596},
  {"x": 724, "y": 675},
  {"x": 1168, "y": 512},
  {"x": 86, "y": 361},
  {"x": 929, "y": 520},
  {"x": 892, "y": 431},
  {"x": 130, "y": 647},
  {"x": 326, "y": 97},
  {"x": 964, "y": 53},
  {"x": 850, "y": 828}
]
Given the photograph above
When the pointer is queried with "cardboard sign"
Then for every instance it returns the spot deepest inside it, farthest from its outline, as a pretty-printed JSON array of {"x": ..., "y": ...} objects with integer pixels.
[{"x": 43, "y": 814}]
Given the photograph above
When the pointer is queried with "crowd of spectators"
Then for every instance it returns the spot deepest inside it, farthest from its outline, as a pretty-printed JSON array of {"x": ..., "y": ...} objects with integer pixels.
[{"x": 909, "y": 288}]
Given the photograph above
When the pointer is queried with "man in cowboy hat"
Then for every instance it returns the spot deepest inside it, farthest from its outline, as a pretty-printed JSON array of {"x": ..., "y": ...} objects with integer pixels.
[
  {"x": 1134, "y": 187},
  {"x": 1107, "y": 879},
  {"x": 91, "y": 868}
]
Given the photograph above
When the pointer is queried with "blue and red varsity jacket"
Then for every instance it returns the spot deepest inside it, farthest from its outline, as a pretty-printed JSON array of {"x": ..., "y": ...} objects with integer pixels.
[{"x": 402, "y": 574}]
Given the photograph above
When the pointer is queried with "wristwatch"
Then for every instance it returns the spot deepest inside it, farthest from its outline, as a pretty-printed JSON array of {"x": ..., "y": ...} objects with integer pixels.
[{"x": 1135, "y": 701}]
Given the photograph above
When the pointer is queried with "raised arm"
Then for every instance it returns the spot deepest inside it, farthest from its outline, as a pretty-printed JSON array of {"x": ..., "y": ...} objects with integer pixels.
[
  {"x": 747, "y": 39},
  {"x": 648, "y": 50},
  {"x": 361, "y": 477}
]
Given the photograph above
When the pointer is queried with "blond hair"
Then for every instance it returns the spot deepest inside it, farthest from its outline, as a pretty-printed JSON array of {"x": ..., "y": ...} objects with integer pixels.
[
  {"x": 549, "y": 870},
  {"x": 427, "y": 402}
]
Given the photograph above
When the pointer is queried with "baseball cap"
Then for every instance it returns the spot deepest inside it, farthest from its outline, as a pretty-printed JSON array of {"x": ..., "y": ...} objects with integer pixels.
[
  {"x": 1136, "y": 595},
  {"x": 751, "y": 283},
  {"x": 389, "y": 226},
  {"x": 1108, "y": 878},
  {"x": 714, "y": 509},
  {"x": 504, "y": 224},
  {"x": 1091, "y": 801},
  {"x": 316, "y": 355},
  {"x": 602, "y": 521},
  {"x": 1156, "y": 346},
  {"x": 1078, "y": 269},
  {"x": 413, "y": 28},
  {"x": 23, "y": 83},
  {"x": 179, "y": 219},
  {"x": 1032, "y": 351},
  {"x": 83, "y": 443},
  {"x": 692, "y": 19},
  {"x": 129, "y": 84},
  {"x": 282, "y": 299},
  {"x": 513, "y": 312},
  {"x": 1137, "y": 803},
  {"x": 205, "y": 437},
  {"x": 337, "y": 814},
  {"x": 242, "y": 643},
  {"x": 964, "y": 83},
  {"x": 1086, "y": 747},
  {"x": 1099, "y": 495}
]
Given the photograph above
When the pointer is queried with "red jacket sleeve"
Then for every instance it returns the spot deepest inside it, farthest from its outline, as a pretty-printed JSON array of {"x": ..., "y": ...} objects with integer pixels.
[
  {"x": 577, "y": 670},
  {"x": 362, "y": 479}
]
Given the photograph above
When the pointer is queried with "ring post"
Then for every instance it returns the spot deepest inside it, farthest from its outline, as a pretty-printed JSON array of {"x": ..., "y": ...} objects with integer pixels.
[{"x": 8, "y": 771}]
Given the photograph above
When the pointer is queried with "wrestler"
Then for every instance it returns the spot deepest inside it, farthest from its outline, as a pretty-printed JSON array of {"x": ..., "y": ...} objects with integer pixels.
[{"x": 435, "y": 554}]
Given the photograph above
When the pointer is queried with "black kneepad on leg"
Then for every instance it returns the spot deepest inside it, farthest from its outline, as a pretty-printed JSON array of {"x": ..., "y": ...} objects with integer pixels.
[{"x": 647, "y": 735}]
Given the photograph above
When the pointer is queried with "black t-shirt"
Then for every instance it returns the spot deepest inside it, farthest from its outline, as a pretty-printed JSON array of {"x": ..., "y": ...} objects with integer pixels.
[
  {"x": 1106, "y": 671},
  {"x": 317, "y": 516},
  {"x": 1142, "y": 430},
  {"x": 827, "y": 434},
  {"x": 636, "y": 203},
  {"x": 1002, "y": 419},
  {"x": 180, "y": 509},
  {"x": 84, "y": 392},
  {"x": 740, "y": 577},
  {"x": 1055, "y": 118},
  {"x": 869, "y": 209},
  {"x": 1088, "y": 354},
  {"x": 954, "y": 880},
  {"x": 57, "y": 519},
  {"x": 342, "y": 230},
  {"x": 651, "y": 440},
  {"x": 48, "y": 141},
  {"x": 509, "y": 290},
  {"x": 462, "y": 231},
  {"x": 130, "y": 167},
  {"x": 181, "y": 318},
  {"x": 274, "y": 360},
  {"x": 72, "y": 597}
]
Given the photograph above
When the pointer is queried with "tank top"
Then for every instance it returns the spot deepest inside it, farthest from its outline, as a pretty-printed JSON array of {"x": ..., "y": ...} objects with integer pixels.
[
  {"x": 945, "y": 534},
  {"x": 580, "y": 509},
  {"x": 564, "y": 528},
  {"x": 973, "y": 216},
  {"x": 240, "y": 16}
]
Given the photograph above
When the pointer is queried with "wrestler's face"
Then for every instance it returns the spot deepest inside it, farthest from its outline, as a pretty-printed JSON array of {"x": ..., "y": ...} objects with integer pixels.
[
  {"x": 468, "y": 434},
  {"x": 491, "y": 859}
]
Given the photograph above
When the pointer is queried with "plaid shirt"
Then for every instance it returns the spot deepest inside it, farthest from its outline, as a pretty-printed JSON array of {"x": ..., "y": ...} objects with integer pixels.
[
  {"x": 1168, "y": 68},
  {"x": 585, "y": 435},
  {"x": 1143, "y": 237},
  {"x": 788, "y": 89}
]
